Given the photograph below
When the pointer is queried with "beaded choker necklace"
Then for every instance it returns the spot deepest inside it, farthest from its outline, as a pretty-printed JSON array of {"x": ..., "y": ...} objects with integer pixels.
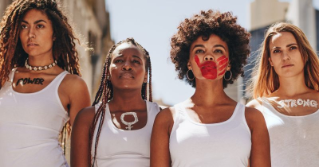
[{"x": 39, "y": 68}]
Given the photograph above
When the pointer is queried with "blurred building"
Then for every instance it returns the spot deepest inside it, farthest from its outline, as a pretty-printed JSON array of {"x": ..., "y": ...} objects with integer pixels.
[
  {"x": 91, "y": 22},
  {"x": 91, "y": 19},
  {"x": 3, "y": 5},
  {"x": 265, "y": 13}
]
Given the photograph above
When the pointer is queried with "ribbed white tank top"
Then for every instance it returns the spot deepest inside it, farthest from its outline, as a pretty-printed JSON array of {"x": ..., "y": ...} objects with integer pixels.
[
  {"x": 122, "y": 148},
  {"x": 294, "y": 140},
  {"x": 30, "y": 124},
  {"x": 225, "y": 144}
]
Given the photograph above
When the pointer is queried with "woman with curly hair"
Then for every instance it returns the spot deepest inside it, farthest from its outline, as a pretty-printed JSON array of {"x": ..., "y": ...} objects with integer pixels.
[
  {"x": 117, "y": 131},
  {"x": 40, "y": 87},
  {"x": 210, "y": 129},
  {"x": 285, "y": 88}
]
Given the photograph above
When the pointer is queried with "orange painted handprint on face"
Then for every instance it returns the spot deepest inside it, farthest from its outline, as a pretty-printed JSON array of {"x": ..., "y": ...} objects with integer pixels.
[{"x": 210, "y": 69}]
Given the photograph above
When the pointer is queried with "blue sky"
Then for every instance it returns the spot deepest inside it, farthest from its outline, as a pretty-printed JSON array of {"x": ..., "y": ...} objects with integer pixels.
[{"x": 152, "y": 24}]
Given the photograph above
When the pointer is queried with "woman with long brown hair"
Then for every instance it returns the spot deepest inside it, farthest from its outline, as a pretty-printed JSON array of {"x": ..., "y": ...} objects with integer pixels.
[
  {"x": 40, "y": 87},
  {"x": 285, "y": 89},
  {"x": 210, "y": 129},
  {"x": 116, "y": 130}
]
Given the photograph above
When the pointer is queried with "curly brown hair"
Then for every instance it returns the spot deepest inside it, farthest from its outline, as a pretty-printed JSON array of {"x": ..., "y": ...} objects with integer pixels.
[
  {"x": 11, "y": 51},
  {"x": 204, "y": 24}
]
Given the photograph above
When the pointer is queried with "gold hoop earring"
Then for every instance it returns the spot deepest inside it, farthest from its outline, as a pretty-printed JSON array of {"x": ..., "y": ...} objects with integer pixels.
[
  {"x": 188, "y": 76},
  {"x": 230, "y": 76}
]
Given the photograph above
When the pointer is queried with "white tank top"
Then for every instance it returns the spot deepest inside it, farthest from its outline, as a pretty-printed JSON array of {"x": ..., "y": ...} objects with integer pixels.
[
  {"x": 294, "y": 140},
  {"x": 225, "y": 144},
  {"x": 30, "y": 124},
  {"x": 122, "y": 148}
]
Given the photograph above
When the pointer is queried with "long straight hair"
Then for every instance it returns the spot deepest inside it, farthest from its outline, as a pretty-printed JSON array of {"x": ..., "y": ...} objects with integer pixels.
[{"x": 265, "y": 80}]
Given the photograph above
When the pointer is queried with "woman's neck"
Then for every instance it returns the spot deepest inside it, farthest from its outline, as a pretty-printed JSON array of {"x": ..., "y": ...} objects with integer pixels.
[
  {"x": 40, "y": 60},
  {"x": 209, "y": 93},
  {"x": 291, "y": 87},
  {"x": 127, "y": 100}
]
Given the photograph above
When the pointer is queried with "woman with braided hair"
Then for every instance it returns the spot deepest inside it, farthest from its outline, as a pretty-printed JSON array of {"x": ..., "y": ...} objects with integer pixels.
[
  {"x": 40, "y": 87},
  {"x": 210, "y": 129},
  {"x": 116, "y": 132}
]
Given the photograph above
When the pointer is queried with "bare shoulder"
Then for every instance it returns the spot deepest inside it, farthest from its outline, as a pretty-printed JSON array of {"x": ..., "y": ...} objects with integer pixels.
[
  {"x": 164, "y": 118},
  {"x": 166, "y": 115},
  {"x": 253, "y": 113},
  {"x": 253, "y": 117},
  {"x": 73, "y": 85},
  {"x": 74, "y": 81},
  {"x": 85, "y": 116},
  {"x": 253, "y": 103}
]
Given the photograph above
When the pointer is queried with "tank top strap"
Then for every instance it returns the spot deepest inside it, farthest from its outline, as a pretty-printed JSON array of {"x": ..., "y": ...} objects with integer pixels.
[
  {"x": 152, "y": 111},
  {"x": 262, "y": 100},
  {"x": 11, "y": 75},
  {"x": 178, "y": 116},
  {"x": 96, "y": 107},
  {"x": 179, "y": 112},
  {"x": 239, "y": 113},
  {"x": 106, "y": 110},
  {"x": 57, "y": 81},
  {"x": 151, "y": 107},
  {"x": 267, "y": 104}
]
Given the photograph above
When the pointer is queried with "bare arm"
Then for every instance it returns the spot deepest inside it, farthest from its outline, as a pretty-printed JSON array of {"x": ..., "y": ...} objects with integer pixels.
[
  {"x": 260, "y": 151},
  {"x": 160, "y": 156},
  {"x": 76, "y": 95},
  {"x": 80, "y": 145}
]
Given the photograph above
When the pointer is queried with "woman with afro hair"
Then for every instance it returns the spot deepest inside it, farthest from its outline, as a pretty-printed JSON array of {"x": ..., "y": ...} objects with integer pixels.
[{"x": 210, "y": 129}]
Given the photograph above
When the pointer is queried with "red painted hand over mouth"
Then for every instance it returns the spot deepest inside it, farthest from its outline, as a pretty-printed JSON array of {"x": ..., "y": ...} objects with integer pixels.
[{"x": 209, "y": 68}]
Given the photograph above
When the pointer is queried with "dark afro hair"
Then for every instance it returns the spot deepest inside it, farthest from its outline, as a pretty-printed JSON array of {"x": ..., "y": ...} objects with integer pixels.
[{"x": 206, "y": 23}]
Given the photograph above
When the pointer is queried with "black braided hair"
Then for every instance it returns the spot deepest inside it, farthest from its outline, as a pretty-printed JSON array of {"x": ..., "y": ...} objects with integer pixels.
[{"x": 105, "y": 92}]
